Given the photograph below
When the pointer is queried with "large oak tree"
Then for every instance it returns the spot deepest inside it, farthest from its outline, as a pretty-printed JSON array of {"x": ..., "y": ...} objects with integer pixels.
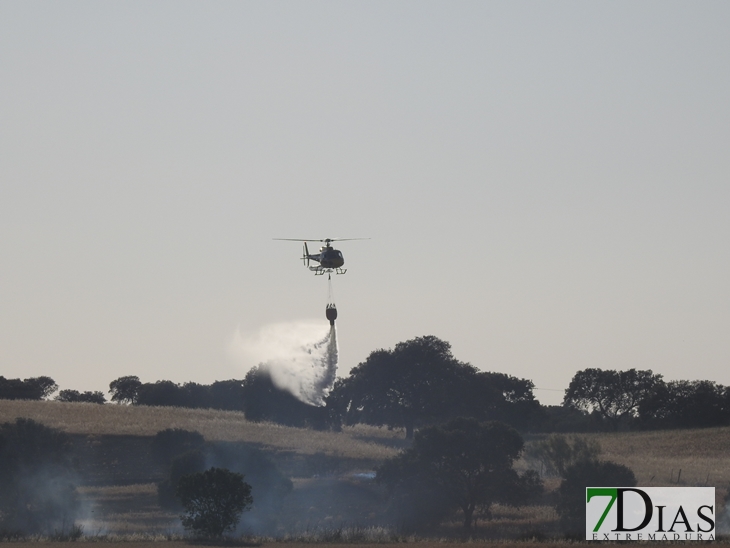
[
  {"x": 420, "y": 382},
  {"x": 615, "y": 395},
  {"x": 463, "y": 464},
  {"x": 412, "y": 385}
]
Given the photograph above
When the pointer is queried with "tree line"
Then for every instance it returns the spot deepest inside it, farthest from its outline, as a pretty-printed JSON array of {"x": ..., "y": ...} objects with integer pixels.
[
  {"x": 420, "y": 383},
  {"x": 641, "y": 399}
]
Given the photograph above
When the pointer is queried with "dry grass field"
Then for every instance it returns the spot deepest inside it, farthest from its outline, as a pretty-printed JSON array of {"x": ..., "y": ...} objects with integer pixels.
[
  {"x": 125, "y": 510},
  {"x": 360, "y": 442},
  {"x": 656, "y": 457},
  {"x": 125, "y": 502}
]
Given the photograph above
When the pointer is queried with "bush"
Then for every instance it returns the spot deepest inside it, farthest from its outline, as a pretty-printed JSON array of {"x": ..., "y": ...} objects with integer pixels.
[
  {"x": 463, "y": 464},
  {"x": 182, "y": 451},
  {"x": 191, "y": 462},
  {"x": 213, "y": 500},
  {"x": 172, "y": 442},
  {"x": 37, "y": 491},
  {"x": 558, "y": 452},
  {"x": 268, "y": 485},
  {"x": 572, "y": 492}
]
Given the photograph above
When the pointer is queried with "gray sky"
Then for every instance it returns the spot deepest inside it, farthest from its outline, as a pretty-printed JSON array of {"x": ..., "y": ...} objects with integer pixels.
[{"x": 546, "y": 184}]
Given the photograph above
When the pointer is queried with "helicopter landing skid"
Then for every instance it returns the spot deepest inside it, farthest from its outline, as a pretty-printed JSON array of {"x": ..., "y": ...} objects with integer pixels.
[{"x": 323, "y": 271}]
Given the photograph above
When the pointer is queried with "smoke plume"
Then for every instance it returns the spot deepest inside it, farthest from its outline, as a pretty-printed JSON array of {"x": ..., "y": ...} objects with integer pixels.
[{"x": 299, "y": 358}]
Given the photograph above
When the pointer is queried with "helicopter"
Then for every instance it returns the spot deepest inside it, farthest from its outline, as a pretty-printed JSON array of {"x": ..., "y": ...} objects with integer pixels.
[{"x": 329, "y": 259}]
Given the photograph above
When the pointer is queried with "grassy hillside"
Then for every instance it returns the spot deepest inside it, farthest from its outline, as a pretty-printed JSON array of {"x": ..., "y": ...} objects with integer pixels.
[
  {"x": 656, "y": 457},
  {"x": 360, "y": 442}
]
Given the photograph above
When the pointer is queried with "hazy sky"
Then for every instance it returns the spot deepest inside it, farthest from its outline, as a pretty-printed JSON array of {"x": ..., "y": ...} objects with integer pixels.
[{"x": 546, "y": 184}]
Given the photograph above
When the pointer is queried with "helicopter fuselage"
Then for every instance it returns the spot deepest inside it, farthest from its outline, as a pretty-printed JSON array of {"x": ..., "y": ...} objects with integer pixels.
[{"x": 328, "y": 257}]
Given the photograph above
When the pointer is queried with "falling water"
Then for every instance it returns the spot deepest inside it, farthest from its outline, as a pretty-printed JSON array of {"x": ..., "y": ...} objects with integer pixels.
[{"x": 296, "y": 356}]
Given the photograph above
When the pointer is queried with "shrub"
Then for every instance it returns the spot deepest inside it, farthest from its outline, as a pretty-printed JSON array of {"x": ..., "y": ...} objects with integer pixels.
[
  {"x": 558, "y": 452},
  {"x": 37, "y": 492},
  {"x": 182, "y": 451},
  {"x": 213, "y": 500},
  {"x": 463, "y": 464},
  {"x": 172, "y": 442},
  {"x": 572, "y": 492},
  {"x": 268, "y": 485},
  {"x": 188, "y": 463}
]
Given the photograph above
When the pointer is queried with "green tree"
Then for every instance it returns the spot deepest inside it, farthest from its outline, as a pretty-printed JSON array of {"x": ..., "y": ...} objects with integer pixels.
[
  {"x": 183, "y": 464},
  {"x": 186, "y": 453},
  {"x": 182, "y": 452},
  {"x": 686, "y": 404},
  {"x": 264, "y": 401},
  {"x": 412, "y": 385},
  {"x": 83, "y": 397},
  {"x": 162, "y": 393},
  {"x": 197, "y": 395},
  {"x": 463, "y": 464},
  {"x": 616, "y": 395},
  {"x": 571, "y": 505},
  {"x": 227, "y": 395},
  {"x": 219, "y": 395},
  {"x": 419, "y": 383},
  {"x": 35, "y": 388},
  {"x": 497, "y": 396},
  {"x": 213, "y": 500},
  {"x": 125, "y": 389},
  {"x": 41, "y": 387},
  {"x": 558, "y": 452}
]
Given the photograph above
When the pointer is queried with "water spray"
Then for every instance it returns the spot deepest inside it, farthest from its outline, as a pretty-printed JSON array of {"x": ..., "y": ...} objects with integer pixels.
[{"x": 296, "y": 356}]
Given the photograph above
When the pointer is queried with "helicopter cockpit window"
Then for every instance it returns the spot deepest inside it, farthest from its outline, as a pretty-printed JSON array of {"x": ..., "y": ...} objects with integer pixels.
[{"x": 339, "y": 254}]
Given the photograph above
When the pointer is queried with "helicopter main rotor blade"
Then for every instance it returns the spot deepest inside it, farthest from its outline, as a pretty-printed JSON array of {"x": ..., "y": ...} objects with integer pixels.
[{"x": 318, "y": 240}]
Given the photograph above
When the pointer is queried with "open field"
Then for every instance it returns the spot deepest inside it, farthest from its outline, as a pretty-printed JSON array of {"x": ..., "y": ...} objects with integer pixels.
[
  {"x": 125, "y": 510},
  {"x": 656, "y": 457},
  {"x": 119, "y": 471},
  {"x": 360, "y": 442}
]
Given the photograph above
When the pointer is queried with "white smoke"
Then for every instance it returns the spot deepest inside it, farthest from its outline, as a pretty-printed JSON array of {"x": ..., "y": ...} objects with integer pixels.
[{"x": 299, "y": 356}]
